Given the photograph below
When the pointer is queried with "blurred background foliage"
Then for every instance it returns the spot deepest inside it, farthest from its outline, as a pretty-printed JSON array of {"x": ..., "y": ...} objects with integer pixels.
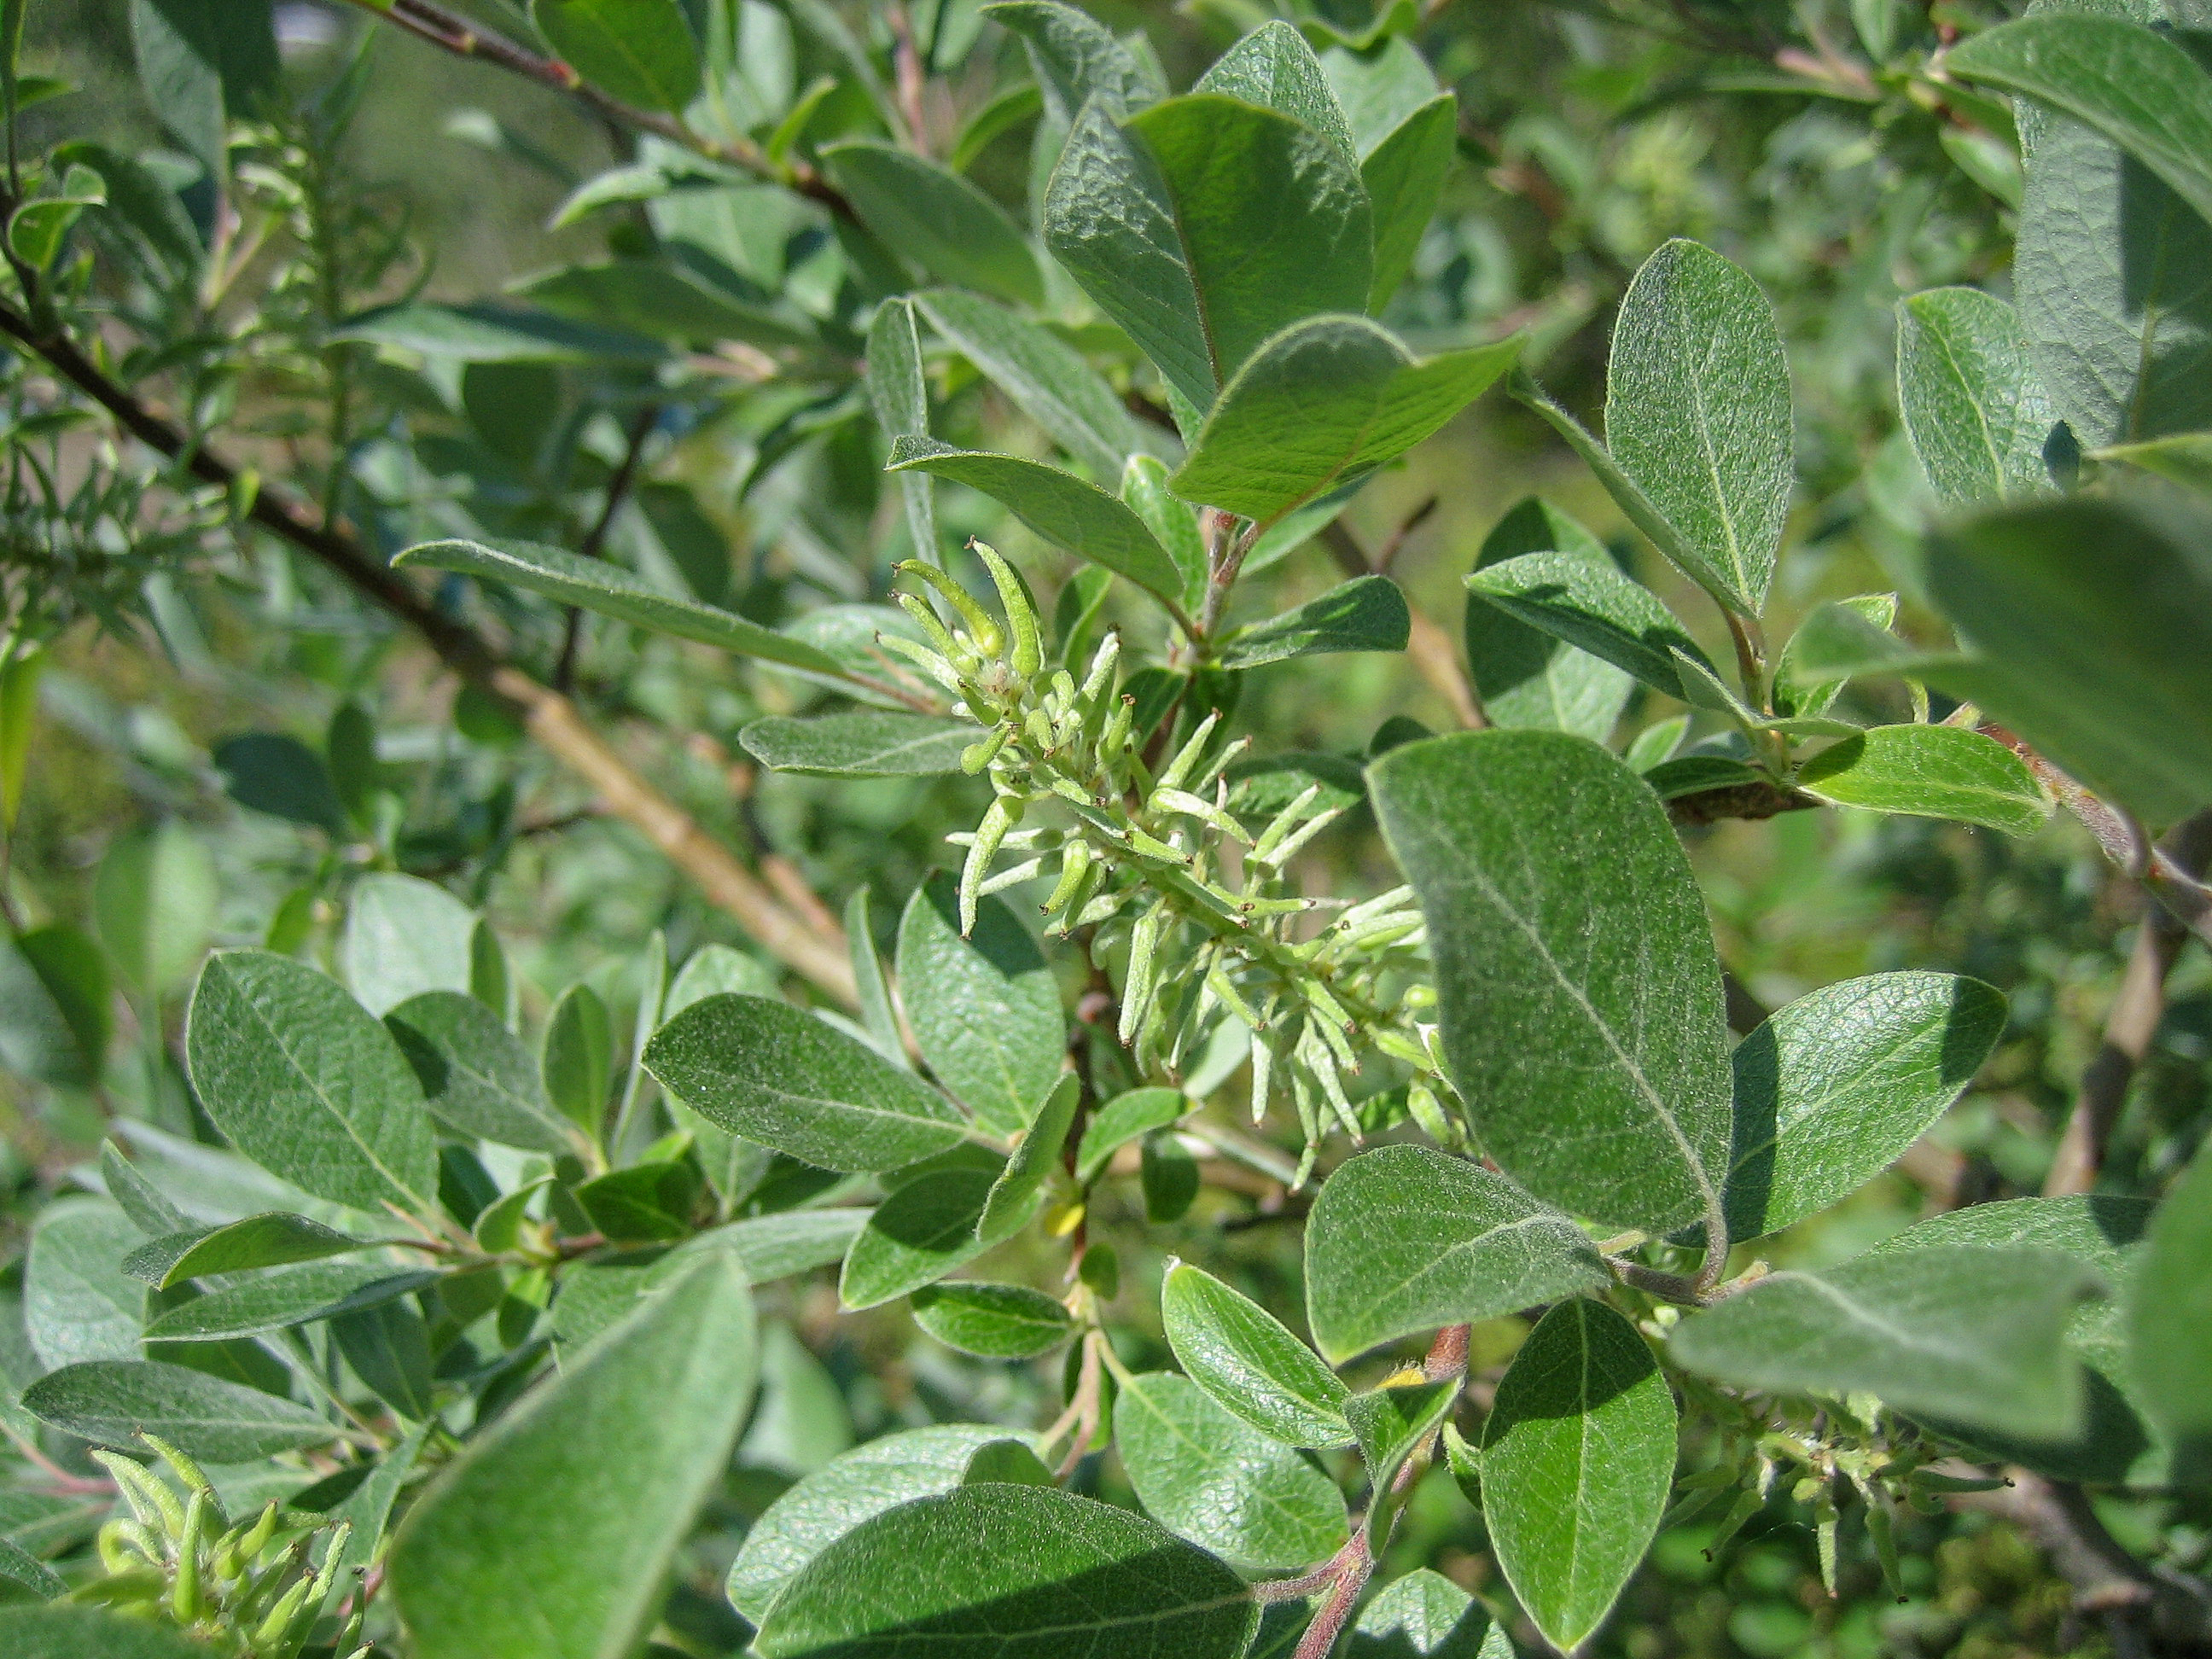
[{"x": 1800, "y": 139}]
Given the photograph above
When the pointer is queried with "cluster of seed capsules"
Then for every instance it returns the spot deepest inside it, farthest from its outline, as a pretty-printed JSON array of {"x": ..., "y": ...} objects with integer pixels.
[
  {"x": 1211, "y": 920},
  {"x": 252, "y": 1587}
]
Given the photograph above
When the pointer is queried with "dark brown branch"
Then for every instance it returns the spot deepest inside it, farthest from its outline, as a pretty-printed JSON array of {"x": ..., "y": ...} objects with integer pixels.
[
  {"x": 552, "y": 721},
  {"x": 595, "y": 539}
]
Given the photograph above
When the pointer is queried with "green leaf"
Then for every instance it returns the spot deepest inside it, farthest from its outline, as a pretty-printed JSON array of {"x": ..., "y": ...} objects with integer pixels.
[
  {"x": 1973, "y": 402},
  {"x": 1273, "y": 67},
  {"x": 996, "y": 1322},
  {"x": 1587, "y": 602},
  {"x": 1065, "y": 510},
  {"x": 490, "y": 333},
  {"x": 764, "y": 1070},
  {"x": 551, "y": 1537},
  {"x": 54, "y": 1005},
  {"x": 276, "y": 1238},
  {"x": 277, "y": 1301},
  {"x": 879, "y": 1017},
  {"x": 1405, "y": 178},
  {"x": 1125, "y": 1118},
  {"x": 1696, "y": 412},
  {"x": 2094, "y": 622},
  {"x": 154, "y": 902},
  {"x": 1424, "y": 1615},
  {"x": 1044, "y": 375},
  {"x": 1391, "y": 1421},
  {"x": 1559, "y": 905},
  {"x": 144, "y": 1202},
  {"x": 1239, "y": 1353},
  {"x": 273, "y": 773},
  {"x": 937, "y": 219},
  {"x": 644, "y": 1202},
  {"x": 2168, "y": 1327},
  {"x": 1832, "y": 1089},
  {"x": 873, "y": 1477},
  {"x": 2112, "y": 275},
  {"x": 477, "y": 1076},
  {"x": 1076, "y": 57},
  {"x": 898, "y": 390},
  {"x": 666, "y": 303},
  {"x": 2133, "y": 85},
  {"x": 985, "y": 1009},
  {"x": 1577, "y": 1456},
  {"x": 1213, "y": 1478},
  {"x": 598, "y": 585},
  {"x": 773, "y": 1247},
  {"x": 1530, "y": 676},
  {"x": 1931, "y": 772},
  {"x": 404, "y": 937},
  {"x": 1327, "y": 400},
  {"x": 639, "y": 51},
  {"x": 1962, "y": 1332},
  {"x": 1035, "y": 1158},
  {"x": 20, "y": 1567},
  {"x": 1174, "y": 524},
  {"x": 577, "y": 1062},
  {"x": 306, "y": 1082},
  {"x": 202, "y": 60},
  {"x": 1405, "y": 1239},
  {"x": 111, "y": 1401},
  {"x": 995, "y": 1572},
  {"x": 870, "y": 745},
  {"x": 1800, "y": 688},
  {"x": 67, "y": 1632},
  {"x": 918, "y": 1235},
  {"x": 1367, "y": 613},
  {"x": 78, "y": 1301}
]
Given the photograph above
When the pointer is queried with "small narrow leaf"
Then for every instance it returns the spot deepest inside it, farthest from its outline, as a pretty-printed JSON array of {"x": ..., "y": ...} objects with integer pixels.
[
  {"x": 1239, "y": 1353},
  {"x": 1368, "y": 613},
  {"x": 477, "y": 1077},
  {"x": 1577, "y": 1456},
  {"x": 1014, "y": 1194},
  {"x": 764, "y": 1070},
  {"x": 1588, "y": 602},
  {"x": 918, "y": 1235},
  {"x": 1930, "y": 771},
  {"x": 993, "y": 1322},
  {"x": 112, "y": 1401},
  {"x": 898, "y": 390},
  {"x": 937, "y": 219},
  {"x": 1560, "y": 905},
  {"x": 576, "y": 1062},
  {"x": 1405, "y": 178},
  {"x": 275, "y": 1239},
  {"x": 1529, "y": 675},
  {"x": 985, "y": 1009},
  {"x": 1966, "y": 1332},
  {"x": 1405, "y": 1239},
  {"x": 1213, "y": 1478},
  {"x": 1122, "y": 1119},
  {"x": 1047, "y": 376},
  {"x": 990, "y": 1570},
  {"x": 870, "y": 745},
  {"x": 276, "y": 1301}
]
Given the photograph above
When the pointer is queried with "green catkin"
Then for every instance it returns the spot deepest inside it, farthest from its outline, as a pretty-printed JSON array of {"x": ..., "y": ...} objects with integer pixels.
[
  {"x": 1136, "y": 987},
  {"x": 985, "y": 636},
  {"x": 1026, "y": 656},
  {"x": 1186, "y": 757},
  {"x": 1074, "y": 867},
  {"x": 184, "y": 1600}
]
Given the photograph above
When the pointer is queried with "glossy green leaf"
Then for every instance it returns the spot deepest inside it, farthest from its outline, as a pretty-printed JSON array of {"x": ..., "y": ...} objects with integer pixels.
[
  {"x": 154, "y": 903},
  {"x": 996, "y": 1571},
  {"x": 1213, "y": 1478},
  {"x": 277, "y": 1301},
  {"x": 1966, "y": 1333},
  {"x": 1560, "y": 904},
  {"x": 878, "y": 1475},
  {"x": 644, "y": 1202},
  {"x": 918, "y": 1235},
  {"x": 875, "y": 744},
  {"x": 1367, "y": 613},
  {"x": 79, "y": 1304},
  {"x": 1698, "y": 415},
  {"x": 937, "y": 219},
  {"x": 404, "y": 937},
  {"x": 1405, "y": 178},
  {"x": 2134, "y": 86},
  {"x": 306, "y": 1082},
  {"x": 1065, "y": 510},
  {"x": 2169, "y": 1308},
  {"x": 1044, "y": 375},
  {"x": 1406, "y": 1239},
  {"x": 1424, "y": 1615},
  {"x": 1240, "y": 1354},
  {"x": 477, "y": 1076},
  {"x": 112, "y": 1401},
  {"x": 598, "y": 585},
  {"x": 1328, "y": 399},
  {"x": 576, "y": 1062},
  {"x": 2093, "y": 621},
  {"x": 550, "y": 1536},
  {"x": 1832, "y": 1089},
  {"x": 1530, "y": 676},
  {"x": 1125, "y": 1118},
  {"x": 764, "y": 1070},
  {"x": 1577, "y": 1456},
  {"x": 995, "y": 1322},
  {"x": 639, "y": 51},
  {"x": 1929, "y": 771},
  {"x": 1588, "y": 602},
  {"x": 985, "y": 1009},
  {"x": 1972, "y": 401},
  {"x": 276, "y": 1238}
]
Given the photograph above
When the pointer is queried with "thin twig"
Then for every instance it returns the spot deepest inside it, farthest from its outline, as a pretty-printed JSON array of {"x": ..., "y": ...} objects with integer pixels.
[
  {"x": 2129, "y": 1027},
  {"x": 1429, "y": 646},
  {"x": 595, "y": 539}
]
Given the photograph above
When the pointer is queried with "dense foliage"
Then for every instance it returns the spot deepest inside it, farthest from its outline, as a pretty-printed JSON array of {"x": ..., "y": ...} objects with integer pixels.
[{"x": 897, "y": 843}]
